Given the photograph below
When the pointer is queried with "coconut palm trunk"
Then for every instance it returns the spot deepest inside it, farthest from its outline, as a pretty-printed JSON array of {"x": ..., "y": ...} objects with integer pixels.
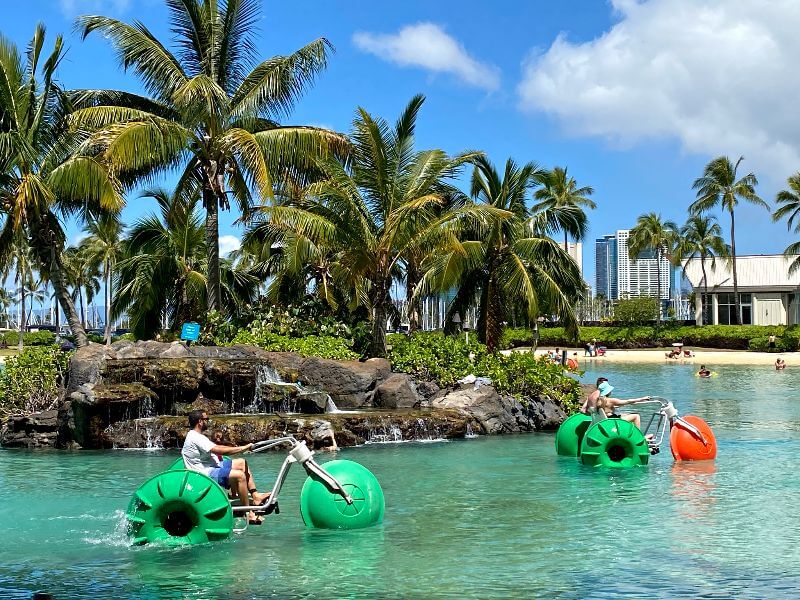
[
  {"x": 737, "y": 316},
  {"x": 704, "y": 300},
  {"x": 107, "y": 269},
  {"x": 413, "y": 276},
  {"x": 212, "y": 248},
  {"x": 22, "y": 313},
  {"x": 658, "y": 286},
  {"x": 65, "y": 300}
]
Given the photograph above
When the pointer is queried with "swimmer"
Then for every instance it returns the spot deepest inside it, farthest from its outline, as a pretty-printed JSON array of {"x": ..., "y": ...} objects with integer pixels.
[{"x": 703, "y": 372}]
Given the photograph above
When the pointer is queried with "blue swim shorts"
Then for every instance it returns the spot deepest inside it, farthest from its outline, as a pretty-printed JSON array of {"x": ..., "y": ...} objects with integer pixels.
[{"x": 221, "y": 474}]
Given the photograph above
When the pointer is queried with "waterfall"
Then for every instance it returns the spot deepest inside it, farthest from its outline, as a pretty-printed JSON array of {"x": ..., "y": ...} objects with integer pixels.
[
  {"x": 468, "y": 434},
  {"x": 267, "y": 376},
  {"x": 384, "y": 433}
]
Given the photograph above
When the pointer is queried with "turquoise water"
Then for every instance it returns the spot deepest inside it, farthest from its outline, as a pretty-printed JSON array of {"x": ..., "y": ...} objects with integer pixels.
[{"x": 498, "y": 516}]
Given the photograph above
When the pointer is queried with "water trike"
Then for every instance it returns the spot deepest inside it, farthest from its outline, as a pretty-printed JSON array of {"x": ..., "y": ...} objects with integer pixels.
[
  {"x": 179, "y": 506},
  {"x": 616, "y": 443}
]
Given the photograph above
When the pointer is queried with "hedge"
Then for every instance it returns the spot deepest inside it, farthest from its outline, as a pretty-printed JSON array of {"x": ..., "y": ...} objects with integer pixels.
[{"x": 730, "y": 337}]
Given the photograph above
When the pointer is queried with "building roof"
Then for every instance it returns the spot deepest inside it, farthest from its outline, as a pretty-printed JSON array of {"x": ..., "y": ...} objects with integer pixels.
[{"x": 755, "y": 272}]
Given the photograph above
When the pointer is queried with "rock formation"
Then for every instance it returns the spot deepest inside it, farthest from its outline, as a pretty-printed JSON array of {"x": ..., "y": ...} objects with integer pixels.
[{"x": 137, "y": 395}]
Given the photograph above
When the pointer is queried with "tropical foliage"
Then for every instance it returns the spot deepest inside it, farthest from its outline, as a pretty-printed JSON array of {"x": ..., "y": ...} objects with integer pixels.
[
  {"x": 719, "y": 186},
  {"x": 651, "y": 234},
  {"x": 445, "y": 359},
  {"x": 501, "y": 259},
  {"x": 46, "y": 170},
  {"x": 208, "y": 114},
  {"x": 374, "y": 211},
  {"x": 30, "y": 381},
  {"x": 701, "y": 237}
]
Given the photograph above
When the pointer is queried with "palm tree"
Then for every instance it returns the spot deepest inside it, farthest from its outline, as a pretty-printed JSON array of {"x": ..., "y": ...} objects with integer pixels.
[
  {"x": 162, "y": 270},
  {"x": 207, "y": 115},
  {"x": 654, "y": 235},
  {"x": 6, "y": 301},
  {"x": 101, "y": 249},
  {"x": 374, "y": 208},
  {"x": 44, "y": 175},
  {"x": 719, "y": 186},
  {"x": 502, "y": 260},
  {"x": 563, "y": 203},
  {"x": 701, "y": 237},
  {"x": 18, "y": 257},
  {"x": 788, "y": 202}
]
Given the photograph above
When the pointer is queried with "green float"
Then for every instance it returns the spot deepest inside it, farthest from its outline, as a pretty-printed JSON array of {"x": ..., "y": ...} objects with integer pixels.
[
  {"x": 614, "y": 443},
  {"x": 570, "y": 434},
  {"x": 179, "y": 507},
  {"x": 322, "y": 508}
]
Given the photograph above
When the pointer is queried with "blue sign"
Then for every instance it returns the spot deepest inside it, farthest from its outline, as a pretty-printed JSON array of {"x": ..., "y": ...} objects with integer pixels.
[{"x": 190, "y": 331}]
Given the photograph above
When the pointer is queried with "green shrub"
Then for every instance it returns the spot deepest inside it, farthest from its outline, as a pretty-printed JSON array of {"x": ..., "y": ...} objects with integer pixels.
[
  {"x": 730, "y": 337},
  {"x": 322, "y": 346},
  {"x": 635, "y": 311},
  {"x": 32, "y": 338},
  {"x": 445, "y": 359},
  {"x": 30, "y": 381}
]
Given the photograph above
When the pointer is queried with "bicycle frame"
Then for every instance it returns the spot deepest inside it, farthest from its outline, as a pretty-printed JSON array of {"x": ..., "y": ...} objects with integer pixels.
[
  {"x": 667, "y": 416},
  {"x": 298, "y": 453}
]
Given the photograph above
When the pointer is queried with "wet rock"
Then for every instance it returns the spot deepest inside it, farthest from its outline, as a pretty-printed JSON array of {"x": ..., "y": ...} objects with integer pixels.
[
  {"x": 397, "y": 391},
  {"x": 350, "y": 383},
  {"x": 350, "y": 429},
  {"x": 502, "y": 414},
  {"x": 86, "y": 365},
  {"x": 175, "y": 350},
  {"x": 427, "y": 389},
  {"x": 37, "y": 430},
  {"x": 491, "y": 410}
]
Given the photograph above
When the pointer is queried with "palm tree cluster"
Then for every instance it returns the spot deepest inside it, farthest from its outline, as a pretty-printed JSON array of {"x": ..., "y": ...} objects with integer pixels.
[
  {"x": 339, "y": 216},
  {"x": 701, "y": 236}
]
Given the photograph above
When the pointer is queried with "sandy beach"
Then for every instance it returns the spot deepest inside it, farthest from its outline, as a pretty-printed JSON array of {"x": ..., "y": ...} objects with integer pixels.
[{"x": 707, "y": 357}]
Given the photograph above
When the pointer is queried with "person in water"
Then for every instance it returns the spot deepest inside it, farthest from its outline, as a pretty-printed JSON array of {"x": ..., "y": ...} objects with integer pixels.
[
  {"x": 200, "y": 454},
  {"x": 703, "y": 372},
  {"x": 780, "y": 364},
  {"x": 600, "y": 399}
]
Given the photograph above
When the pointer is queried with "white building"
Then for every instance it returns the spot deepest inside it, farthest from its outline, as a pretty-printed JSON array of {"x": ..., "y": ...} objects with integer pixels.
[
  {"x": 575, "y": 250},
  {"x": 768, "y": 294}
]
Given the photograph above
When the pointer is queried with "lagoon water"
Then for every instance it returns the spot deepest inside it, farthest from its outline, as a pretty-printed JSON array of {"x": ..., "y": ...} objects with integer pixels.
[{"x": 501, "y": 516}]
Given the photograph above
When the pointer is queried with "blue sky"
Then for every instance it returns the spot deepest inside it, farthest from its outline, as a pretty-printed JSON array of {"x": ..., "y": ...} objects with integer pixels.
[{"x": 634, "y": 97}]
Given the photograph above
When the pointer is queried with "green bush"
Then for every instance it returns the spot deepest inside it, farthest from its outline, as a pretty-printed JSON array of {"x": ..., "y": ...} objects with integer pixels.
[
  {"x": 445, "y": 359},
  {"x": 635, "y": 311},
  {"x": 33, "y": 338},
  {"x": 30, "y": 381},
  {"x": 322, "y": 346},
  {"x": 730, "y": 337}
]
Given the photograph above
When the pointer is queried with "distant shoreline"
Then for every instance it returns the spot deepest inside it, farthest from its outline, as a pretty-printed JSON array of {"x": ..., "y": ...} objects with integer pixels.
[{"x": 702, "y": 356}]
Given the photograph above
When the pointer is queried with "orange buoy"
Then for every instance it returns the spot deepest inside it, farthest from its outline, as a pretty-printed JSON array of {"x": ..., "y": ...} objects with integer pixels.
[
  {"x": 686, "y": 445},
  {"x": 572, "y": 363}
]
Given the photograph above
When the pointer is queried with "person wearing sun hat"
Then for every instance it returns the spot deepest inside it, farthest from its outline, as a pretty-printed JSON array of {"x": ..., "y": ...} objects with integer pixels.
[{"x": 600, "y": 400}]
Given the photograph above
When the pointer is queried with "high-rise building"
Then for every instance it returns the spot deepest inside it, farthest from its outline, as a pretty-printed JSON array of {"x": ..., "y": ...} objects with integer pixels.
[
  {"x": 606, "y": 266},
  {"x": 619, "y": 276},
  {"x": 575, "y": 250}
]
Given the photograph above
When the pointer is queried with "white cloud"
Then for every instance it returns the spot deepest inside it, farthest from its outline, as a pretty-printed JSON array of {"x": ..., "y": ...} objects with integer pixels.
[
  {"x": 717, "y": 75},
  {"x": 71, "y": 8},
  {"x": 427, "y": 45},
  {"x": 228, "y": 243}
]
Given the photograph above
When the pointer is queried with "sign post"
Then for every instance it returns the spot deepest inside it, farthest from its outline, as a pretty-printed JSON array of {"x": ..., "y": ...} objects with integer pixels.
[{"x": 190, "y": 332}]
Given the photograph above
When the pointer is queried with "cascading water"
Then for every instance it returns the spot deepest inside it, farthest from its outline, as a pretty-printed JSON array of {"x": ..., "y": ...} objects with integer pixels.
[
  {"x": 267, "y": 378},
  {"x": 145, "y": 421}
]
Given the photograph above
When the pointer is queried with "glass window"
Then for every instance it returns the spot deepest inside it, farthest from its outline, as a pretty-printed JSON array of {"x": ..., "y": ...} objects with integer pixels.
[
  {"x": 726, "y": 308},
  {"x": 746, "y": 303}
]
